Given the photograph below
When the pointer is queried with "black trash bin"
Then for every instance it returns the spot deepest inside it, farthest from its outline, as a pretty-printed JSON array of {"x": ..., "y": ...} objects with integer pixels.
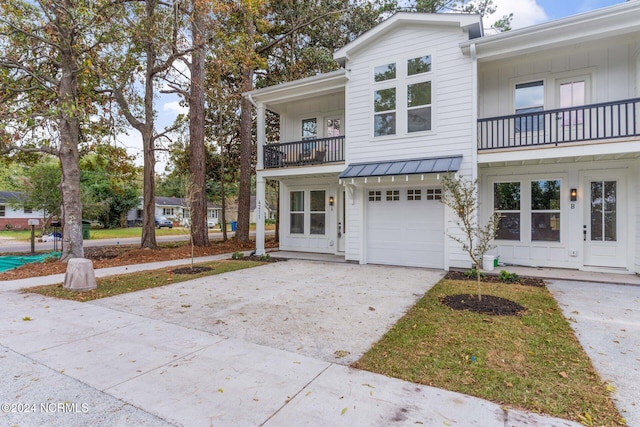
[{"x": 86, "y": 229}]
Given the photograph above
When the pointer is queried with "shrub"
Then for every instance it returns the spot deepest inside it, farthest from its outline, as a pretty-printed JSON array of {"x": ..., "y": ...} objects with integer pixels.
[
  {"x": 237, "y": 255},
  {"x": 507, "y": 277},
  {"x": 265, "y": 257},
  {"x": 473, "y": 273}
]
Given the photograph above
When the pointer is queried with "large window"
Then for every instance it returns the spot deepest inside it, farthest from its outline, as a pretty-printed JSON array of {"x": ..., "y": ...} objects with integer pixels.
[
  {"x": 545, "y": 211},
  {"x": 506, "y": 203},
  {"x": 390, "y": 109},
  {"x": 296, "y": 208},
  {"x": 318, "y": 215},
  {"x": 3, "y": 210},
  {"x": 529, "y": 100},
  {"x": 384, "y": 106}
]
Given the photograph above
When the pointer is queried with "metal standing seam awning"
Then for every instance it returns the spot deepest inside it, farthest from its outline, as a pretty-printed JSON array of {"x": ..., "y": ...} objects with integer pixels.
[{"x": 403, "y": 167}]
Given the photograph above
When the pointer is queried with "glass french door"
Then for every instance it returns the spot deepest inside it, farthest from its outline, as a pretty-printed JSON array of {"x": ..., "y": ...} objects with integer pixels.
[{"x": 603, "y": 232}]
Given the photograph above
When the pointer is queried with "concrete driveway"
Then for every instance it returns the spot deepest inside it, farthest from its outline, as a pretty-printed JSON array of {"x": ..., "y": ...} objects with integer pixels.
[
  {"x": 328, "y": 311},
  {"x": 606, "y": 319}
]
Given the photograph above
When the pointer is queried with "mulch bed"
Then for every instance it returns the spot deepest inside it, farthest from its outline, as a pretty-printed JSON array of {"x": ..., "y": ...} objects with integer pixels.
[
  {"x": 491, "y": 278},
  {"x": 261, "y": 259},
  {"x": 488, "y": 304},
  {"x": 191, "y": 270}
]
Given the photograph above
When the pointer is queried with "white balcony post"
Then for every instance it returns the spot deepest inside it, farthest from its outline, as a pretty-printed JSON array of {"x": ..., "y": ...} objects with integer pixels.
[
  {"x": 260, "y": 215},
  {"x": 260, "y": 135}
]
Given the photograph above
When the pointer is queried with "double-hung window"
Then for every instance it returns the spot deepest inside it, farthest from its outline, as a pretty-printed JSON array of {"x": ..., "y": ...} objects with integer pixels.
[
  {"x": 545, "y": 210},
  {"x": 506, "y": 203},
  {"x": 3, "y": 211},
  {"x": 296, "y": 208},
  {"x": 318, "y": 214},
  {"x": 384, "y": 100}
]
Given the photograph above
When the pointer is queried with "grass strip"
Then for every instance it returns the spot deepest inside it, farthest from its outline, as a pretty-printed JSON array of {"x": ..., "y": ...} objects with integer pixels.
[
  {"x": 131, "y": 282},
  {"x": 532, "y": 362}
]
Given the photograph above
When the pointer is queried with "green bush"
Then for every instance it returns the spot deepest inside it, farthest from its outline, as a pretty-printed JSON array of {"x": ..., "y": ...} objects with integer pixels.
[
  {"x": 473, "y": 273},
  {"x": 265, "y": 257},
  {"x": 507, "y": 277},
  {"x": 237, "y": 255}
]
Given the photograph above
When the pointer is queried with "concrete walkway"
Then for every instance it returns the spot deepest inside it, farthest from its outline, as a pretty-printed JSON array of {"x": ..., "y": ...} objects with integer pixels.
[{"x": 262, "y": 346}]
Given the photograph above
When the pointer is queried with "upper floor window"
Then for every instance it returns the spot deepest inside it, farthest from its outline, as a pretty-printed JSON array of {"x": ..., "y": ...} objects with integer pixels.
[
  {"x": 529, "y": 99},
  {"x": 384, "y": 72},
  {"x": 384, "y": 101},
  {"x": 419, "y": 107},
  {"x": 333, "y": 127},
  {"x": 572, "y": 94},
  {"x": 419, "y": 65},
  {"x": 309, "y": 128}
]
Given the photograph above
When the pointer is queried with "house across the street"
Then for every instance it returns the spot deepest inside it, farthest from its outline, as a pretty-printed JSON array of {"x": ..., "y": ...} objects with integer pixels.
[
  {"x": 13, "y": 212},
  {"x": 546, "y": 117},
  {"x": 176, "y": 209}
]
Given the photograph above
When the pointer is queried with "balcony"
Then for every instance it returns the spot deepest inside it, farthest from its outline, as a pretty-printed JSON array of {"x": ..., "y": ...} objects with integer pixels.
[
  {"x": 304, "y": 153},
  {"x": 595, "y": 122}
]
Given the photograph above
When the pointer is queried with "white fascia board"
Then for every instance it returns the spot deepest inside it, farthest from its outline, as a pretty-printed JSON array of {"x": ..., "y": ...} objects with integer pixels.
[
  {"x": 461, "y": 20},
  {"x": 300, "y": 88},
  {"x": 551, "y": 152},
  {"x": 606, "y": 22},
  {"x": 332, "y": 170}
]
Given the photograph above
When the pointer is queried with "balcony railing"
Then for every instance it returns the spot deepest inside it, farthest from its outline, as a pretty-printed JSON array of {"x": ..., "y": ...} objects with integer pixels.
[
  {"x": 301, "y": 153},
  {"x": 593, "y": 122}
]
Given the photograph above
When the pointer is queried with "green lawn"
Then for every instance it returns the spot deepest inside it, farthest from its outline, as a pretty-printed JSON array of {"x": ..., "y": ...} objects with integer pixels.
[{"x": 531, "y": 361}]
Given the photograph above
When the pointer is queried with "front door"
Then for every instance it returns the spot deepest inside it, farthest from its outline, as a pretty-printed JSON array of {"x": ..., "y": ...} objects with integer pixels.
[
  {"x": 342, "y": 230},
  {"x": 604, "y": 230}
]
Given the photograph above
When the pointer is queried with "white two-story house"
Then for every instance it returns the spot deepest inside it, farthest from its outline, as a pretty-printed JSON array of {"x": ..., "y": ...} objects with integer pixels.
[{"x": 546, "y": 117}]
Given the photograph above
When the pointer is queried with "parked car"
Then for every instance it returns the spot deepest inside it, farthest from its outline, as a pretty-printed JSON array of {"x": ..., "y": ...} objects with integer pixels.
[
  {"x": 162, "y": 221},
  {"x": 211, "y": 223}
]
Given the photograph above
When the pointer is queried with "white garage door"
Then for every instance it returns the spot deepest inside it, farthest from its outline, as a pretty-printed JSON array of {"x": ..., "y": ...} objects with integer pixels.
[{"x": 405, "y": 226}]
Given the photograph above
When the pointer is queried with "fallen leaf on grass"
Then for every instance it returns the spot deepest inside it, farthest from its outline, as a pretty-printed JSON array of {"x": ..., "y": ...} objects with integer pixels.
[
  {"x": 563, "y": 374},
  {"x": 344, "y": 411}
]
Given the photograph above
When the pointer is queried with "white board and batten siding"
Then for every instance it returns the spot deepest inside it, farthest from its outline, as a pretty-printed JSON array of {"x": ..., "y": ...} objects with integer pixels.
[{"x": 609, "y": 70}]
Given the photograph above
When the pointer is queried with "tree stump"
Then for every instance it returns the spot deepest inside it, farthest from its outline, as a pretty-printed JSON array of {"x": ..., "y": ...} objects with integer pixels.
[{"x": 79, "y": 275}]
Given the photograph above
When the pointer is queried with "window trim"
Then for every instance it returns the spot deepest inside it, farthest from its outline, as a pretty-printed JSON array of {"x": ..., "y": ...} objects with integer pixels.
[{"x": 401, "y": 83}]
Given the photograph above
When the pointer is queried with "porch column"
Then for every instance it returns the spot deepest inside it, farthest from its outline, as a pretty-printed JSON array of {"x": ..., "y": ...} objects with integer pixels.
[
  {"x": 259, "y": 214},
  {"x": 260, "y": 136}
]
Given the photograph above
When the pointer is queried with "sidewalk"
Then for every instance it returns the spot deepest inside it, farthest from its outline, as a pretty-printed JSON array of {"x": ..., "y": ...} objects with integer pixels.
[{"x": 92, "y": 364}]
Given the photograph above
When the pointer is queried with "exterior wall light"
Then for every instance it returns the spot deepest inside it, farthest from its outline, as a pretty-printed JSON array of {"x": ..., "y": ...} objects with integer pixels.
[
  {"x": 331, "y": 201},
  {"x": 574, "y": 194}
]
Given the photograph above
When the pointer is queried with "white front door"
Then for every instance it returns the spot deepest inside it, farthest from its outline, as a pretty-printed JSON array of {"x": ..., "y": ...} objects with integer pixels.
[
  {"x": 342, "y": 220},
  {"x": 604, "y": 230}
]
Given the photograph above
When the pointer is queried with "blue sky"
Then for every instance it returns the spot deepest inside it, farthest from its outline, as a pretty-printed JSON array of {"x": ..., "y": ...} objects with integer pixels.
[{"x": 531, "y": 12}]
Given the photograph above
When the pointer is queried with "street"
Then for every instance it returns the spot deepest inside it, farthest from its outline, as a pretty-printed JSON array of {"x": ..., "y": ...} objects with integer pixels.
[{"x": 10, "y": 245}]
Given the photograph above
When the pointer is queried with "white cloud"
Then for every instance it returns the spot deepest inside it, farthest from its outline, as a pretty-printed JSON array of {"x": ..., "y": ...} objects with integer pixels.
[
  {"x": 525, "y": 13},
  {"x": 175, "y": 107}
]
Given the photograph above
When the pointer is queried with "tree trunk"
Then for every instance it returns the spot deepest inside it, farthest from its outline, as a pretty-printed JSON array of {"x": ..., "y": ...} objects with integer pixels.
[
  {"x": 148, "y": 191},
  {"x": 244, "y": 196},
  {"x": 197, "y": 161},
  {"x": 69, "y": 140},
  {"x": 148, "y": 145}
]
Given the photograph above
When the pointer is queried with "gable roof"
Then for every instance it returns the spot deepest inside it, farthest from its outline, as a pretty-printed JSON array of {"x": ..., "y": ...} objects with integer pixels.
[
  {"x": 468, "y": 22},
  {"x": 178, "y": 201},
  {"x": 615, "y": 20},
  {"x": 11, "y": 197}
]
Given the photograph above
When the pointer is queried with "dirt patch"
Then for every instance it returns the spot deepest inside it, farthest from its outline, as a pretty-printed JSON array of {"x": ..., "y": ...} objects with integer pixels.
[
  {"x": 191, "y": 270},
  {"x": 119, "y": 255},
  {"x": 492, "y": 278},
  {"x": 488, "y": 304}
]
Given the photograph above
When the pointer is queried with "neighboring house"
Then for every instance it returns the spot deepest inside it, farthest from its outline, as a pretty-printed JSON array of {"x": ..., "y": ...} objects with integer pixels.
[
  {"x": 269, "y": 212},
  {"x": 175, "y": 209},
  {"x": 547, "y": 117},
  {"x": 13, "y": 214}
]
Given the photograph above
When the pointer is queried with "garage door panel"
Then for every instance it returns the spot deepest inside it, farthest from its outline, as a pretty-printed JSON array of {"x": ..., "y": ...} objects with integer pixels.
[{"x": 405, "y": 232}]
